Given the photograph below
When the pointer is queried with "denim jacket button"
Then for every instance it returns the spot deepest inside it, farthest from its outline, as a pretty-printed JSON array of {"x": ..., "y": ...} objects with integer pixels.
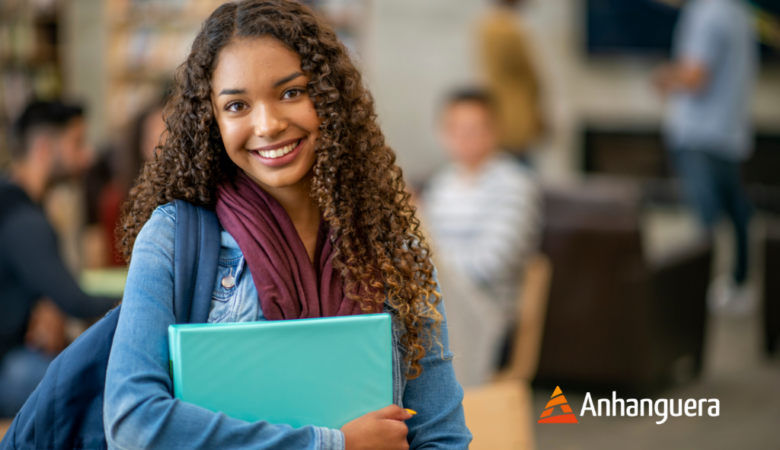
[{"x": 229, "y": 281}]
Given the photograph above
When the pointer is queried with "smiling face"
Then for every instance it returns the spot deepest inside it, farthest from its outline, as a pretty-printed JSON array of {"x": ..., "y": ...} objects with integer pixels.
[{"x": 267, "y": 120}]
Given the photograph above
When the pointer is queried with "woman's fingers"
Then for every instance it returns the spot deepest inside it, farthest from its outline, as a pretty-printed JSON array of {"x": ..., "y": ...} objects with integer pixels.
[
  {"x": 393, "y": 412},
  {"x": 383, "y": 429}
]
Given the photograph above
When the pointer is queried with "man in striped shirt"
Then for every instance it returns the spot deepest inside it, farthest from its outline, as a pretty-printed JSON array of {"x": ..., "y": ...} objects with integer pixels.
[{"x": 484, "y": 214}]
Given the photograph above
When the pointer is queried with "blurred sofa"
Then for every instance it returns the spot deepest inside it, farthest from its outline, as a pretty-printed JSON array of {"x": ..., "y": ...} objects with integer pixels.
[{"x": 615, "y": 320}]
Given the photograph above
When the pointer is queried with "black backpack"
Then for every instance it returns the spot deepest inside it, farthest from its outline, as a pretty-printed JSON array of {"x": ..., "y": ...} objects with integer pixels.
[{"x": 66, "y": 409}]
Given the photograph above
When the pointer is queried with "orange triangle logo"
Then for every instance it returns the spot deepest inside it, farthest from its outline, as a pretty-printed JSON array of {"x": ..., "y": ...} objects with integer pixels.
[{"x": 557, "y": 399}]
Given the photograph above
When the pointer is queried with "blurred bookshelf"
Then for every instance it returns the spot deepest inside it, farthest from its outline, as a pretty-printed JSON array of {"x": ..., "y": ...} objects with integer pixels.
[
  {"x": 146, "y": 41},
  {"x": 114, "y": 56},
  {"x": 30, "y": 65}
]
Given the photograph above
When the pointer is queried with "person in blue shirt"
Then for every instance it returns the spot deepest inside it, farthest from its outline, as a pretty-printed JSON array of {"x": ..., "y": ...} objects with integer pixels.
[
  {"x": 270, "y": 125},
  {"x": 708, "y": 126}
]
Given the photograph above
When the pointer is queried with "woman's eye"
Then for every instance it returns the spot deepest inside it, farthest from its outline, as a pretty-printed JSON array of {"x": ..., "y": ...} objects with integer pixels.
[
  {"x": 235, "y": 106},
  {"x": 292, "y": 93}
]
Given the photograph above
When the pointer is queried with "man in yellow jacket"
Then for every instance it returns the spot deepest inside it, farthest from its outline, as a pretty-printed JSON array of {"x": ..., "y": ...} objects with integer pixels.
[{"x": 511, "y": 76}]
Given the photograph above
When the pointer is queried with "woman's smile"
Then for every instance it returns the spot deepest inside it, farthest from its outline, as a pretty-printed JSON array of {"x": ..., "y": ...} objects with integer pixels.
[{"x": 280, "y": 154}]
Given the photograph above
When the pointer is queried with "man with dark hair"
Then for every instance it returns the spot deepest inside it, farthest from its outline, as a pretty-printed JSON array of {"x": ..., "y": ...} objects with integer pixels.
[
  {"x": 484, "y": 215},
  {"x": 48, "y": 145}
]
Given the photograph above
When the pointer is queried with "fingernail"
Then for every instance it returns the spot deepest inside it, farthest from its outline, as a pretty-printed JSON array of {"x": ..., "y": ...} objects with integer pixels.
[{"x": 412, "y": 412}]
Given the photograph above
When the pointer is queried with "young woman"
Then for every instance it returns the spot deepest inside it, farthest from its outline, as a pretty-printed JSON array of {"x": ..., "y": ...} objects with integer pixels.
[{"x": 271, "y": 126}]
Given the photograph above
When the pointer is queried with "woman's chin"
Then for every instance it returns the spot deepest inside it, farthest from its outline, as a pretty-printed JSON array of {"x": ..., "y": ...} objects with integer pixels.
[{"x": 284, "y": 178}]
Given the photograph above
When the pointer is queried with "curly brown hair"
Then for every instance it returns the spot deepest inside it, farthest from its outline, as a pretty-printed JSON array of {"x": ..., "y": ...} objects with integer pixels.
[{"x": 359, "y": 188}]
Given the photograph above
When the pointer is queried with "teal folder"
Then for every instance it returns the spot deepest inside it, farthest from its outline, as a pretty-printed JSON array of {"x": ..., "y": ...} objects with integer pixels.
[{"x": 323, "y": 372}]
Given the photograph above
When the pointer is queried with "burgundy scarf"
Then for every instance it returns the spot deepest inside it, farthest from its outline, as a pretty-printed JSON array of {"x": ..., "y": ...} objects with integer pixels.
[{"x": 288, "y": 285}]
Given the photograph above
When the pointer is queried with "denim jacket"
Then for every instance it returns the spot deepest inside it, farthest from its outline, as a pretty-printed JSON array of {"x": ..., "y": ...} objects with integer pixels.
[{"x": 140, "y": 411}]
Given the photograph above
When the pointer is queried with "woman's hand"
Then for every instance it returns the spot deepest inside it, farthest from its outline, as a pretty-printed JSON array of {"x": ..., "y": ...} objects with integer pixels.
[{"x": 378, "y": 430}]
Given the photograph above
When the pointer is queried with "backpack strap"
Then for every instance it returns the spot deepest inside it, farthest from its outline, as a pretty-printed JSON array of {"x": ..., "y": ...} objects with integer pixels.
[{"x": 196, "y": 256}]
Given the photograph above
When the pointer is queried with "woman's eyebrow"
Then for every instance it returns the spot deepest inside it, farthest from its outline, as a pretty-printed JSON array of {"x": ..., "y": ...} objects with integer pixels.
[
  {"x": 288, "y": 78},
  {"x": 277, "y": 83},
  {"x": 232, "y": 91}
]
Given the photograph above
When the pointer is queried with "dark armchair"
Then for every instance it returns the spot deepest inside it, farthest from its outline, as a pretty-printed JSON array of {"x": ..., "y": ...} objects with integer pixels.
[{"x": 614, "y": 320}]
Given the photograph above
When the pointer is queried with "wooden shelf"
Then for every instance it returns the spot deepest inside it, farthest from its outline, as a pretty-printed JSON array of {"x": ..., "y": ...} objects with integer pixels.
[
  {"x": 146, "y": 42},
  {"x": 29, "y": 59}
]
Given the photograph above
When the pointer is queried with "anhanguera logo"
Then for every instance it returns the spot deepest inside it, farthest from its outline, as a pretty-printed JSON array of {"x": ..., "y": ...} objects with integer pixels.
[
  {"x": 661, "y": 408},
  {"x": 558, "y": 400}
]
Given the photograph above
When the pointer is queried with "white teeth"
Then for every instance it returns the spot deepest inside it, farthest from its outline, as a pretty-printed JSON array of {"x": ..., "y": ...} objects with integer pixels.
[{"x": 271, "y": 154}]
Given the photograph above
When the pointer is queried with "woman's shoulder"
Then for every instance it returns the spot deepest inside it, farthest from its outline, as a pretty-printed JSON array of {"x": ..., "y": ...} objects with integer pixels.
[
  {"x": 161, "y": 225},
  {"x": 162, "y": 216},
  {"x": 168, "y": 209}
]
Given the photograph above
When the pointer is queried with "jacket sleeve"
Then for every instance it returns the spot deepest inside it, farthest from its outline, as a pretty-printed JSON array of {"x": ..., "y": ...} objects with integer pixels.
[
  {"x": 31, "y": 249},
  {"x": 139, "y": 409},
  {"x": 437, "y": 398}
]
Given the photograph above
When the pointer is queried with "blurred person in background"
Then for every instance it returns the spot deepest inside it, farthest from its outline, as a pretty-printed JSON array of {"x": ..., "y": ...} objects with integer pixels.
[
  {"x": 511, "y": 76},
  {"x": 484, "y": 215},
  {"x": 109, "y": 181},
  {"x": 146, "y": 135},
  {"x": 49, "y": 146},
  {"x": 709, "y": 84}
]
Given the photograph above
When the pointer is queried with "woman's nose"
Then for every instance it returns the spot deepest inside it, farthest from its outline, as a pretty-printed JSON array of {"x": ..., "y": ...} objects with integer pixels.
[{"x": 267, "y": 122}]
